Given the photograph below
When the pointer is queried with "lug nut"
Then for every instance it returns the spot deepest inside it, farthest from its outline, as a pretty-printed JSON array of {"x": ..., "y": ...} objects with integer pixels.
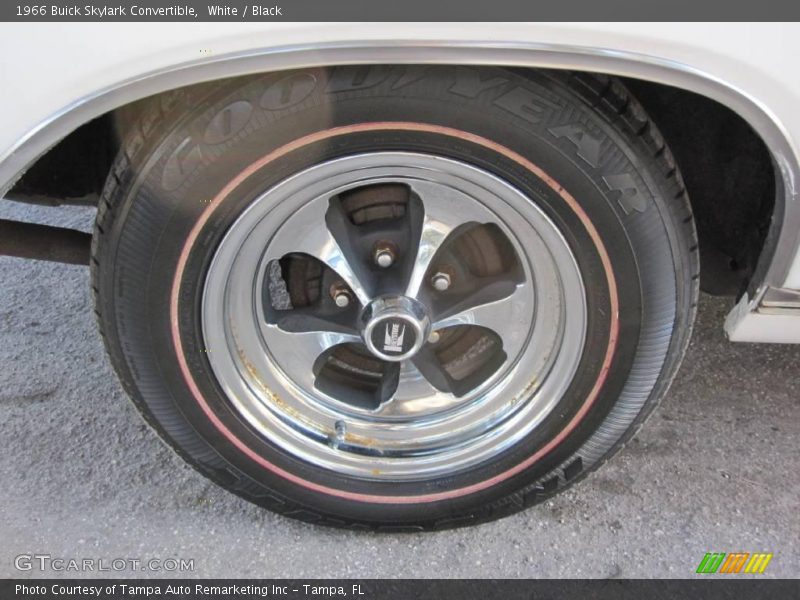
[
  {"x": 441, "y": 281},
  {"x": 434, "y": 337},
  {"x": 341, "y": 296},
  {"x": 384, "y": 255},
  {"x": 342, "y": 299}
]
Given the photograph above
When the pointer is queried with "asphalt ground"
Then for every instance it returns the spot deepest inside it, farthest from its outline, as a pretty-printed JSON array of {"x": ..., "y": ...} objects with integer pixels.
[{"x": 81, "y": 476}]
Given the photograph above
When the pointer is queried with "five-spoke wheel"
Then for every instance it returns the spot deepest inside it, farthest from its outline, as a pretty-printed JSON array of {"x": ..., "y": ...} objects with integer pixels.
[{"x": 394, "y": 302}]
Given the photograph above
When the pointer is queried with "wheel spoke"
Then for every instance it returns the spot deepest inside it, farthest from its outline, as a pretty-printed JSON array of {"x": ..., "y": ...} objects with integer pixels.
[
  {"x": 388, "y": 385},
  {"x": 432, "y": 236},
  {"x": 414, "y": 394},
  {"x": 445, "y": 210},
  {"x": 430, "y": 367},
  {"x": 413, "y": 384},
  {"x": 306, "y": 320},
  {"x": 500, "y": 306},
  {"x": 317, "y": 230},
  {"x": 300, "y": 350}
]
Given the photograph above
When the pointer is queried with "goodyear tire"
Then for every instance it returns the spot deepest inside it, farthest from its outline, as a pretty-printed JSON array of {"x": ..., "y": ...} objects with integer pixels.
[{"x": 396, "y": 297}]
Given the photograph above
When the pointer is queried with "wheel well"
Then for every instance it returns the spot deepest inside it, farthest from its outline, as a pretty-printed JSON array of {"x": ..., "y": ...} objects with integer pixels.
[
  {"x": 729, "y": 175},
  {"x": 727, "y": 169}
]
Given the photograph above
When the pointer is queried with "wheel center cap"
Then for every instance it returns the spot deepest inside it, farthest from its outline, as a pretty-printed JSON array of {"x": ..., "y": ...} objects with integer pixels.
[{"x": 394, "y": 328}]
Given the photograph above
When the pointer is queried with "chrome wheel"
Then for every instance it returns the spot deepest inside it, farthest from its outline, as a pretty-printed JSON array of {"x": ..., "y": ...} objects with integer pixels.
[{"x": 393, "y": 315}]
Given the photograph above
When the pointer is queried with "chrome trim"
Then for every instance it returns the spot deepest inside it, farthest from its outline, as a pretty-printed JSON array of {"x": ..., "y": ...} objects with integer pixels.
[
  {"x": 787, "y": 311},
  {"x": 780, "y": 298},
  {"x": 774, "y": 263}
]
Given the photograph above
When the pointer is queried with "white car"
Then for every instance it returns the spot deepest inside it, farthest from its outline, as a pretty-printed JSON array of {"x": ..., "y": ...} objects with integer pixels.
[{"x": 408, "y": 275}]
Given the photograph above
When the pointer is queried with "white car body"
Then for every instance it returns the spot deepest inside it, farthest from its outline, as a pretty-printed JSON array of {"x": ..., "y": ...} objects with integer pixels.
[{"x": 58, "y": 77}]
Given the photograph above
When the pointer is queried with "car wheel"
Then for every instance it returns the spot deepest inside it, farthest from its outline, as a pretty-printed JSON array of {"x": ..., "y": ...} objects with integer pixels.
[{"x": 399, "y": 297}]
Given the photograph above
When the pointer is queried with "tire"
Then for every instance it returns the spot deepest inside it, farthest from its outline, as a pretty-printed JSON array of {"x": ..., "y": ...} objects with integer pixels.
[{"x": 586, "y": 174}]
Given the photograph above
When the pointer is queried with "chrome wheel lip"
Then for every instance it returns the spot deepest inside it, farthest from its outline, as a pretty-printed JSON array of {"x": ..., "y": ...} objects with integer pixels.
[{"x": 279, "y": 405}]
